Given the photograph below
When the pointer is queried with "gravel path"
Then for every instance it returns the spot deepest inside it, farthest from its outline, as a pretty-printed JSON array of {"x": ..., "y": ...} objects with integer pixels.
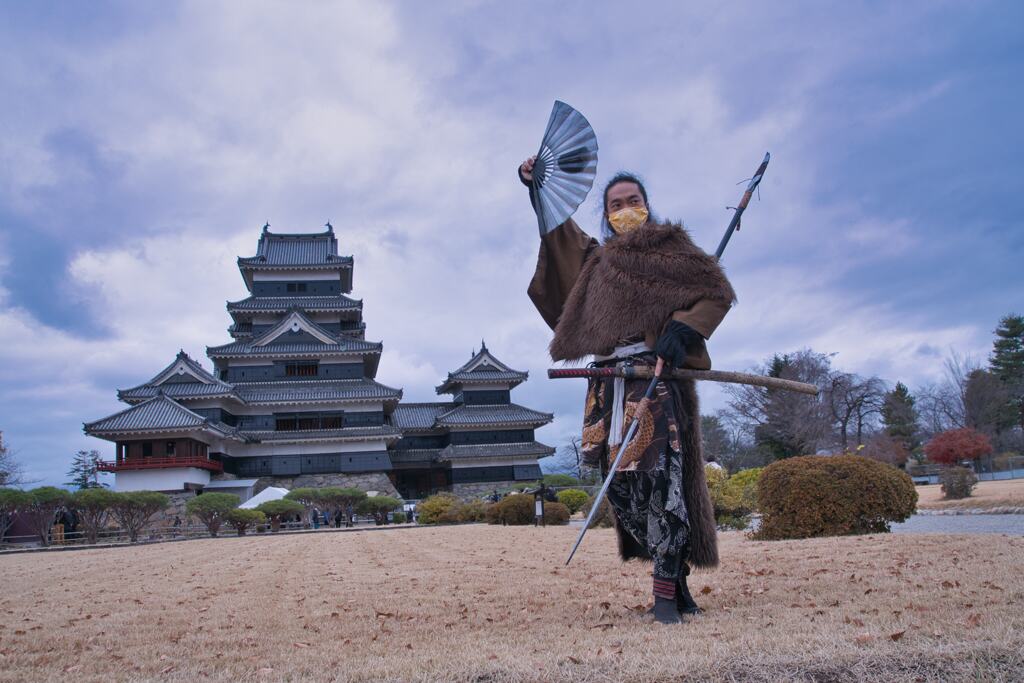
[{"x": 962, "y": 524}]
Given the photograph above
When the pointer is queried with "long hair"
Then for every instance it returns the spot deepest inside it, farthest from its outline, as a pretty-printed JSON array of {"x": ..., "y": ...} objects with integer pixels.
[{"x": 618, "y": 178}]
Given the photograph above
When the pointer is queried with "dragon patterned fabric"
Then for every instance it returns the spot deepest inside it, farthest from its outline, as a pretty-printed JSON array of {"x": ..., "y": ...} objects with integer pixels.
[{"x": 657, "y": 431}]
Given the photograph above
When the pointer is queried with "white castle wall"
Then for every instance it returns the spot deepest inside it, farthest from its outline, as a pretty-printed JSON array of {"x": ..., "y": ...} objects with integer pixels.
[{"x": 171, "y": 479}]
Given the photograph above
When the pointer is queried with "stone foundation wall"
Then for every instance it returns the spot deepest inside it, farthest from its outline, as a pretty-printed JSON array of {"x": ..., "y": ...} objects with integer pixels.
[
  {"x": 476, "y": 491},
  {"x": 367, "y": 481},
  {"x": 165, "y": 518}
]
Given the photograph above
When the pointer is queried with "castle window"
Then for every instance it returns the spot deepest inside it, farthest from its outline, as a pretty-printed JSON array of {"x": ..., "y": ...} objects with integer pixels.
[
  {"x": 286, "y": 423},
  {"x": 303, "y": 369},
  {"x": 329, "y": 421},
  {"x": 147, "y": 450}
]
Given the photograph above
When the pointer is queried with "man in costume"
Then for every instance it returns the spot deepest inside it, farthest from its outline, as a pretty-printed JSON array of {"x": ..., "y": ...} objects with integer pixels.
[{"x": 647, "y": 293}]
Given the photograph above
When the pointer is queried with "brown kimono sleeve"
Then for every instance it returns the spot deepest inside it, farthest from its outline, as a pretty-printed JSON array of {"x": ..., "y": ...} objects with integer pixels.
[
  {"x": 705, "y": 317},
  {"x": 562, "y": 254}
]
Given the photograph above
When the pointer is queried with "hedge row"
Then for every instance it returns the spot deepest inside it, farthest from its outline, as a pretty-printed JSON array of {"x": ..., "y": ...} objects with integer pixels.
[{"x": 515, "y": 509}]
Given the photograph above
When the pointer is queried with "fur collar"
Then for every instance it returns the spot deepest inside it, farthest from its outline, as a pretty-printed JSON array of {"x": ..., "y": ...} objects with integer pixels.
[{"x": 631, "y": 285}]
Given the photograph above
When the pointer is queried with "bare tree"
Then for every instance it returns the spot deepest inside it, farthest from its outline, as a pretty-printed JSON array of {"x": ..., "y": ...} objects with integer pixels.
[
  {"x": 11, "y": 471},
  {"x": 855, "y": 403},
  {"x": 781, "y": 423},
  {"x": 968, "y": 396},
  {"x": 566, "y": 459},
  {"x": 728, "y": 444}
]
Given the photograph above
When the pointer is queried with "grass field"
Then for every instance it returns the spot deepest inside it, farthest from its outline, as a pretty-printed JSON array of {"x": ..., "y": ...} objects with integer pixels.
[
  {"x": 986, "y": 495},
  {"x": 481, "y": 603}
]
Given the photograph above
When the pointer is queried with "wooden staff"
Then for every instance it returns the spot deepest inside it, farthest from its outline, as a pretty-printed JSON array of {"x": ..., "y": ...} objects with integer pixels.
[{"x": 647, "y": 372}]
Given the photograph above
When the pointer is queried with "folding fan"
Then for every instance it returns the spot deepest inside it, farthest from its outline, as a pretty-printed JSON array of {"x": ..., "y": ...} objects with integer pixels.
[{"x": 565, "y": 168}]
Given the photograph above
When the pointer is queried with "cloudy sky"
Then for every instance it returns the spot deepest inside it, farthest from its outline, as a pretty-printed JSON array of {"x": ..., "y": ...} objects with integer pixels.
[{"x": 142, "y": 146}]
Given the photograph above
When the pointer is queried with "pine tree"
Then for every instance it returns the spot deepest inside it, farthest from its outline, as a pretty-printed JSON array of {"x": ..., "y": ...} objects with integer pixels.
[
  {"x": 899, "y": 417},
  {"x": 1007, "y": 360},
  {"x": 84, "y": 472}
]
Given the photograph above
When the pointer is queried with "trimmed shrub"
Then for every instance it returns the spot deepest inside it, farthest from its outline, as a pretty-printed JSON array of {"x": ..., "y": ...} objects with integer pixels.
[
  {"x": 41, "y": 510},
  {"x": 517, "y": 509},
  {"x": 134, "y": 509},
  {"x": 734, "y": 498},
  {"x": 276, "y": 509},
  {"x": 344, "y": 500},
  {"x": 560, "y": 480},
  {"x": 399, "y": 518},
  {"x": 431, "y": 510},
  {"x": 11, "y": 501},
  {"x": 492, "y": 515},
  {"x": 308, "y": 496},
  {"x": 241, "y": 519},
  {"x": 556, "y": 513},
  {"x": 574, "y": 499},
  {"x": 604, "y": 518},
  {"x": 809, "y": 496},
  {"x": 957, "y": 482},
  {"x": 378, "y": 507},
  {"x": 92, "y": 506},
  {"x": 726, "y": 500},
  {"x": 210, "y": 508},
  {"x": 743, "y": 485},
  {"x": 472, "y": 511}
]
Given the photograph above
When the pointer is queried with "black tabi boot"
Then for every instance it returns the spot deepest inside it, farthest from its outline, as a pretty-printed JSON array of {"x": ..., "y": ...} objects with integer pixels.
[
  {"x": 665, "y": 611},
  {"x": 684, "y": 601}
]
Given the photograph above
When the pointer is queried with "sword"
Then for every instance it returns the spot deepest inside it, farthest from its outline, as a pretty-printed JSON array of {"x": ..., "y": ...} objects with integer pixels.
[{"x": 733, "y": 225}]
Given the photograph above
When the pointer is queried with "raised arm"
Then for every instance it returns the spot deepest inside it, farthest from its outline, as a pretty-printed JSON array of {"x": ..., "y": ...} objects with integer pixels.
[{"x": 562, "y": 254}]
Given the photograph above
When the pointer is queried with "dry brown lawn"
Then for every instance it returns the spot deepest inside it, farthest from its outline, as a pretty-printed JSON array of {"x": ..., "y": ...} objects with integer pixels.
[
  {"x": 482, "y": 603},
  {"x": 986, "y": 495}
]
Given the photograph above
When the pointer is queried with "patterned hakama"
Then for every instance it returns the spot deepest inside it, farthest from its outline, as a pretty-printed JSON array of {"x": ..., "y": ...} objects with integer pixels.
[
  {"x": 647, "y": 492},
  {"x": 650, "y": 507}
]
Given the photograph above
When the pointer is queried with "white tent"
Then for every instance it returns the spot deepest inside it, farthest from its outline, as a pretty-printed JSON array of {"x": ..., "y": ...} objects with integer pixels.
[{"x": 269, "y": 493}]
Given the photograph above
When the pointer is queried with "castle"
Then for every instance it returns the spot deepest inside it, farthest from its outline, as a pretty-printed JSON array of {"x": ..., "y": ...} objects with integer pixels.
[{"x": 293, "y": 401}]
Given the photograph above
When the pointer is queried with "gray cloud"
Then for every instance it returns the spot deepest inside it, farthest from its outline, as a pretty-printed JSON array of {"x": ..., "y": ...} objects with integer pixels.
[{"x": 140, "y": 165}]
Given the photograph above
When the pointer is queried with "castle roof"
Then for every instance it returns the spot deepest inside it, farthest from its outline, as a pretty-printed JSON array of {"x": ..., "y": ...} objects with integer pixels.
[
  {"x": 419, "y": 416},
  {"x": 158, "y": 414},
  {"x": 296, "y": 251},
  {"x": 310, "y": 340},
  {"x": 495, "y": 450},
  {"x": 183, "y": 378},
  {"x": 493, "y": 416},
  {"x": 482, "y": 368},
  {"x": 385, "y": 432},
  {"x": 316, "y": 391},
  {"x": 282, "y": 304}
]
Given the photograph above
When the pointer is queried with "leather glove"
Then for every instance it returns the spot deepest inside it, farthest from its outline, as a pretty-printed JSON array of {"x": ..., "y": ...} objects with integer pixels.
[{"x": 674, "y": 344}]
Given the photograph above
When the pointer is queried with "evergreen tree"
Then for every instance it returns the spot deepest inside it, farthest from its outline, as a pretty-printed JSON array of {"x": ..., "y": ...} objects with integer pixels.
[
  {"x": 1007, "y": 361},
  {"x": 84, "y": 472},
  {"x": 899, "y": 417}
]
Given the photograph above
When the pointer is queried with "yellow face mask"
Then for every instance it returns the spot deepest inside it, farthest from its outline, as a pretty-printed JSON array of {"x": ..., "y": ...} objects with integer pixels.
[{"x": 627, "y": 219}]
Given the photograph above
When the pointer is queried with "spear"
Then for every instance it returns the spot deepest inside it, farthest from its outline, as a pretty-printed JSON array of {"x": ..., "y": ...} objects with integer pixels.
[{"x": 733, "y": 225}]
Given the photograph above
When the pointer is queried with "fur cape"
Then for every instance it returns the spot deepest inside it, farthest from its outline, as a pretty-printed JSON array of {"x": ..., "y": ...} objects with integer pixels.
[
  {"x": 632, "y": 285},
  {"x": 628, "y": 287}
]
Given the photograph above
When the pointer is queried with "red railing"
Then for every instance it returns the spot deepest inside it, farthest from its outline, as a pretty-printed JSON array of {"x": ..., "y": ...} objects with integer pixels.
[{"x": 159, "y": 463}]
